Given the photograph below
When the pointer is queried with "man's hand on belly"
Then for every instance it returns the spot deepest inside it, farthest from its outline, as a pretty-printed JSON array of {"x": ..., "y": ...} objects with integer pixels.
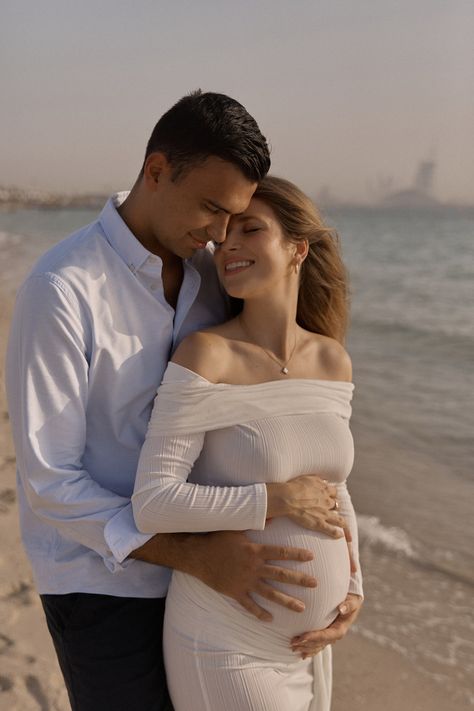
[
  {"x": 310, "y": 643},
  {"x": 229, "y": 563}
]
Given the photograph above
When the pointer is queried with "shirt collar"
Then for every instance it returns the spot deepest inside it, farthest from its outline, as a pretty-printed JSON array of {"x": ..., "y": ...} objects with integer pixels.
[{"x": 119, "y": 236}]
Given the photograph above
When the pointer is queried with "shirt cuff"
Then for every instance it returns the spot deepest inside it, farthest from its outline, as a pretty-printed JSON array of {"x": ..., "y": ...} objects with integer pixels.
[
  {"x": 123, "y": 537},
  {"x": 260, "y": 507}
]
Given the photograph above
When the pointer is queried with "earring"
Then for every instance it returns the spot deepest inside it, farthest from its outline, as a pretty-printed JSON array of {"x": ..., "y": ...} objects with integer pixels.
[{"x": 297, "y": 267}]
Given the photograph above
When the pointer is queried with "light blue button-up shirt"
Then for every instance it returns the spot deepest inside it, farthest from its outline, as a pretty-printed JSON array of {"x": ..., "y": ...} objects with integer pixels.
[{"x": 91, "y": 336}]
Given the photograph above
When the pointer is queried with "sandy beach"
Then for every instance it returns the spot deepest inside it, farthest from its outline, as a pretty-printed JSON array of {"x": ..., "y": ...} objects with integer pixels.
[{"x": 368, "y": 677}]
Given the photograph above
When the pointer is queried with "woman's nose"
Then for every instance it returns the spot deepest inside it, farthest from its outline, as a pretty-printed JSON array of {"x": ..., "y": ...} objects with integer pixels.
[{"x": 232, "y": 241}]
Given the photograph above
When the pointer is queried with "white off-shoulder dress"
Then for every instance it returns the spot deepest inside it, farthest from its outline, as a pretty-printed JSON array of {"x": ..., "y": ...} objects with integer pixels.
[{"x": 209, "y": 450}]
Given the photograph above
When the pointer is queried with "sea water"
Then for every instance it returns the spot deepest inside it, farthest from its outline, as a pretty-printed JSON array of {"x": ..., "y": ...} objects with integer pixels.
[{"x": 412, "y": 343}]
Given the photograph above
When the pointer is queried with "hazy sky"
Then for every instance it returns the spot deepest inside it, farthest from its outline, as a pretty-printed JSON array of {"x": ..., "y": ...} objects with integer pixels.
[{"x": 346, "y": 91}]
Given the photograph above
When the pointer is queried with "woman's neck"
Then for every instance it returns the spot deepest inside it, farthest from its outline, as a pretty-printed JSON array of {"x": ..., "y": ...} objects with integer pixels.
[{"x": 270, "y": 325}]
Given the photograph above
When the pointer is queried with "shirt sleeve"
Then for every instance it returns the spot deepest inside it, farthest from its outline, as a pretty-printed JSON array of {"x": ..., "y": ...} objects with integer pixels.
[
  {"x": 346, "y": 509},
  {"x": 165, "y": 502},
  {"x": 47, "y": 386}
]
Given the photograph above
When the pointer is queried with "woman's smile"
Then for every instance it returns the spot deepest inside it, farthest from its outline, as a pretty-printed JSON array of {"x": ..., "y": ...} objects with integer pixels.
[{"x": 235, "y": 266}]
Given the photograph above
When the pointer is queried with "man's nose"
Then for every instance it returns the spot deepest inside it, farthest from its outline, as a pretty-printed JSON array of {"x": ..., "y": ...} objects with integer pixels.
[{"x": 217, "y": 230}]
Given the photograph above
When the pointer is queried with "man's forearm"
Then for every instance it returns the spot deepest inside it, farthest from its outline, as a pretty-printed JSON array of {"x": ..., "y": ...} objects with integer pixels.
[{"x": 173, "y": 550}]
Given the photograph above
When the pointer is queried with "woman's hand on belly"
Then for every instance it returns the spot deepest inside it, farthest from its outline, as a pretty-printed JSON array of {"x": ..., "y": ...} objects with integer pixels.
[
  {"x": 311, "y": 643},
  {"x": 308, "y": 501}
]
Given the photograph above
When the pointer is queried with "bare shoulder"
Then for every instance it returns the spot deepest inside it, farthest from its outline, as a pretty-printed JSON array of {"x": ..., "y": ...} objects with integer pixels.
[
  {"x": 331, "y": 359},
  {"x": 204, "y": 352}
]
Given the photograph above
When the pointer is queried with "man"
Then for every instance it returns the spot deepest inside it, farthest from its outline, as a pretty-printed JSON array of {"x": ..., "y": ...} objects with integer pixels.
[{"x": 94, "y": 326}]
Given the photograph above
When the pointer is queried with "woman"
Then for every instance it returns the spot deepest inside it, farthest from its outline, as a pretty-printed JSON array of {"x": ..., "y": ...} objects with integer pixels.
[{"x": 263, "y": 398}]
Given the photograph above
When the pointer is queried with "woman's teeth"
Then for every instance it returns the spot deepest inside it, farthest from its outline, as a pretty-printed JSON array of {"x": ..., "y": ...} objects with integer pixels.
[{"x": 237, "y": 265}]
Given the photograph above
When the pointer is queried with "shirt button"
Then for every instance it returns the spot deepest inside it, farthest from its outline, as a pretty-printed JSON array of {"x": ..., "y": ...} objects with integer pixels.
[
  {"x": 153, "y": 259},
  {"x": 153, "y": 287}
]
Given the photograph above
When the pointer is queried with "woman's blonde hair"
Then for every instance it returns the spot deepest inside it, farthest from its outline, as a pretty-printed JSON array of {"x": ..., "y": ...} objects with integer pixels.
[{"x": 322, "y": 299}]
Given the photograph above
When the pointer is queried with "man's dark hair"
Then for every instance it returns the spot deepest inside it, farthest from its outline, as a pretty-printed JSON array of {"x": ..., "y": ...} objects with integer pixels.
[{"x": 201, "y": 125}]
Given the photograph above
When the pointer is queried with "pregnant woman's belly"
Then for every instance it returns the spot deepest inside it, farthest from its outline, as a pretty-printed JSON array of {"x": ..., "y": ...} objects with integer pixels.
[
  {"x": 205, "y": 619},
  {"x": 330, "y": 566}
]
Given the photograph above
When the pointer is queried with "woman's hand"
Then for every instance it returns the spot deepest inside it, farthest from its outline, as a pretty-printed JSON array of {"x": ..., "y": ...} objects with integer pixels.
[
  {"x": 311, "y": 643},
  {"x": 310, "y": 502}
]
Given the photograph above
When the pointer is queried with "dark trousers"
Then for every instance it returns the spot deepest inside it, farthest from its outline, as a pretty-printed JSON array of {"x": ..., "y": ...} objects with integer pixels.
[{"x": 110, "y": 651}]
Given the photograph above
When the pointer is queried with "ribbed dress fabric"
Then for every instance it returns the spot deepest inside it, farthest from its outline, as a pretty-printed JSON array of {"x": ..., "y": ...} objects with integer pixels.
[{"x": 210, "y": 448}]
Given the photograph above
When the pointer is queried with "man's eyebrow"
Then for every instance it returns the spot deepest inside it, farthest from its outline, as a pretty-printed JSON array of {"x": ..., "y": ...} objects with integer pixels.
[
  {"x": 219, "y": 207},
  {"x": 239, "y": 215}
]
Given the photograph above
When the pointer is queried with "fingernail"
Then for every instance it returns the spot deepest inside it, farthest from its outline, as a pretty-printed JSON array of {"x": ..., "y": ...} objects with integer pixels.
[
  {"x": 299, "y": 607},
  {"x": 343, "y": 609}
]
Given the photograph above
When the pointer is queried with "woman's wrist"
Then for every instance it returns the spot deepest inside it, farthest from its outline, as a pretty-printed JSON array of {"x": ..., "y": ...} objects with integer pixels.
[{"x": 277, "y": 499}]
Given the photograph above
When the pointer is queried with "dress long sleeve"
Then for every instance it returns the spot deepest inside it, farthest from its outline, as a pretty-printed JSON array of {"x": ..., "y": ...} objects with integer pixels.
[
  {"x": 346, "y": 509},
  {"x": 164, "y": 502}
]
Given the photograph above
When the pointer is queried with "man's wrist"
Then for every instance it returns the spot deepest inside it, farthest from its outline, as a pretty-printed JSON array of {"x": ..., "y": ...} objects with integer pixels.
[{"x": 179, "y": 551}]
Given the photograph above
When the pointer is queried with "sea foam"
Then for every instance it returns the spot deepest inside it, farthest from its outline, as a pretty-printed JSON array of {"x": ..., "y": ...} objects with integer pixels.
[{"x": 374, "y": 534}]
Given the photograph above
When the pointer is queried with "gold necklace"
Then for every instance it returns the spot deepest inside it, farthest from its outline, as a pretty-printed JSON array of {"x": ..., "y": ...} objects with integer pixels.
[{"x": 283, "y": 365}]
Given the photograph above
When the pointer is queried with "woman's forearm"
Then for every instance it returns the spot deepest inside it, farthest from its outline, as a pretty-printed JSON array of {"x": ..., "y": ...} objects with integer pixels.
[{"x": 165, "y": 502}]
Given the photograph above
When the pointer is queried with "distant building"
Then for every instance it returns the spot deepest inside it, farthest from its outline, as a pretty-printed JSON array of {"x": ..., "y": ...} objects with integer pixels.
[{"x": 420, "y": 195}]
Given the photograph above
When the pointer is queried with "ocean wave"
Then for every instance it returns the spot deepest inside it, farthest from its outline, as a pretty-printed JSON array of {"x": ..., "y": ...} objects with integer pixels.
[
  {"x": 391, "y": 540},
  {"x": 8, "y": 239},
  {"x": 462, "y": 334}
]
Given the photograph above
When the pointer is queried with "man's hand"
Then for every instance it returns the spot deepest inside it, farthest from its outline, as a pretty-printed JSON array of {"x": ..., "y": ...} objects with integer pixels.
[
  {"x": 310, "y": 643},
  {"x": 229, "y": 563}
]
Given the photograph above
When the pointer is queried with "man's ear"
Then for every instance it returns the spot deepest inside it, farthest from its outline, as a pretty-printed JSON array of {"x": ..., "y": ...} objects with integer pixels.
[{"x": 156, "y": 166}]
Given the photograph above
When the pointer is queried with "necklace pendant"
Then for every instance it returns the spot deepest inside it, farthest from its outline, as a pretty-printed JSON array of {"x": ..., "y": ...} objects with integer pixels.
[{"x": 284, "y": 370}]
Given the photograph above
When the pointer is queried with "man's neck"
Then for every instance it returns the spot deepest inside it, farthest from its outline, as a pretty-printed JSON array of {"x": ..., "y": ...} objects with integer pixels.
[
  {"x": 133, "y": 212},
  {"x": 172, "y": 276}
]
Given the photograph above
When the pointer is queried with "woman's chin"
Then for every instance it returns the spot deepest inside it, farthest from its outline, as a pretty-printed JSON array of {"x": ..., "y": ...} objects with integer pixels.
[{"x": 235, "y": 292}]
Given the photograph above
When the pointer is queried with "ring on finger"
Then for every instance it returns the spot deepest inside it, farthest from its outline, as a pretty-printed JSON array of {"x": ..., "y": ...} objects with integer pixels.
[{"x": 336, "y": 505}]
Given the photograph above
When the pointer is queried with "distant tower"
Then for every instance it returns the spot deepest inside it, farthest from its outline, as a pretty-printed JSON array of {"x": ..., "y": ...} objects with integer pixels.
[{"x": 424, "y": 177}]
